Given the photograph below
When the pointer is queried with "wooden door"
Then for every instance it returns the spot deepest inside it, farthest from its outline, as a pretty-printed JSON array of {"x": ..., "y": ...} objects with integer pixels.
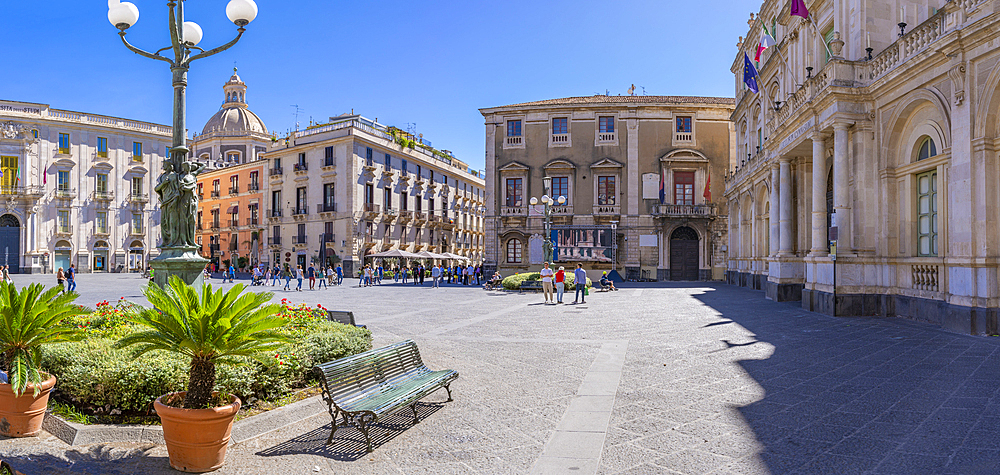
[{"x": 684, "y": 254}]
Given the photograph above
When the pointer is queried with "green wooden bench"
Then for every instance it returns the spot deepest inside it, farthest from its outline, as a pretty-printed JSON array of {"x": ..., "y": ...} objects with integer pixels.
[
  {"x": 342, "y": 316},
  {"x": 365, "y": 387},
  {"x": 533, "y": 285}
]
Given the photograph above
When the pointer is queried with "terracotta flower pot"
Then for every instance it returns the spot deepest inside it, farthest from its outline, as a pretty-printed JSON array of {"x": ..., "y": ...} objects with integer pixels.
[
  {"x": 22, "y": 416},
  {"x": 196, "y": 438}
]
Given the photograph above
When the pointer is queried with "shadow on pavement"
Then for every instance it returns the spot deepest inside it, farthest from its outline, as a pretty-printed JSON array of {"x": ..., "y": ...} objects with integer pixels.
[
  {"x": 864, "y": 395},
  {"x": 96, "y": 460},
  {"x": 349, "y": 442}
]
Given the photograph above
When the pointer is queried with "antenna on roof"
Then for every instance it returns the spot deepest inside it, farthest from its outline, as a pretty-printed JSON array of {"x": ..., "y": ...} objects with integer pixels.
[
  {"x": 607, "y": 92},
  {"x": 643, "y": 90},
  {"x": 297, "y": 112}
]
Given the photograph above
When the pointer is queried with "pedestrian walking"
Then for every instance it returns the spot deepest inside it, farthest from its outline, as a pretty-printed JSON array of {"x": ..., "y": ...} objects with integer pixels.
[
  {"x": 560, "y": 283},
  {"x": 311, "y": 274},
  {"x": 71, "y": 277},
  {"x": 340, "y": 275},
  {"x": 330, "y": 275},
  {"x": 321, "y": 278},
  {"x": 275, "y": 275},
  {"x": 547, "y": 274},
  {"x": 232, "y": 274},
  {"x": 299, "y": 276},
  {"x": 60, "y": 279},
  {"x": 468, "y": 274},
  {"x": 406, "y": 274},
  {"x": 6, "y": 274},
  {"x": 288, "y": 277},
  {"x": 435, "y": 276},
  {"x": 267, "y": 276},
  {"x": 580, "y": 280}
]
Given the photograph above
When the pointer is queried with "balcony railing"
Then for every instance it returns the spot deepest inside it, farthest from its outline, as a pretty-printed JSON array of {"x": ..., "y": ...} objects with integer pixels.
[
  {"x": 137, "y": 230},
  {"x": 215, "y": 226},
  {"x": 275, "y": 213},
  {"x": 64, "y": 230},
  {"x": 328, "y": 162},
  {"x": 299, "y": 239},
  {"x": 684, "y": 211},
  {"x": 33, "y": 191},
  {"x": 274, "y": 241},
  {"x": 683, "y": 136},
  {"x": 301, "y": 167},
  {"x": 513, "y": 211},
  {"x": 369, "y": 238},
  {"x": 371, "y": 208},
  {"x": 234, "y": 223},
  {"x": 560, "y": 139},
  {"x": 103, "y": 196},
  {"x": 253, "y": 187},
  {"x": 252, "y": 222},
  {"x": 234, "y": 190},
  {"x": 515, "y": 141},
  {"x": 405, "y": 215},
  {"x": 138, "y": 198},
  {"x": 607, "y": 210},
  {"x": 607, "y": 137},
  {"x": 275, "y": 172},
  {"x": 65, "y": 193},
  {"x": 419, "y": 216},
  {"x": 300, "y": 211},
  {"x": 326, "y": 208},
  {"x": 215, "y": 194},
  {"x": 98, "y": 231},
  {"x": 137, "y": 159}
]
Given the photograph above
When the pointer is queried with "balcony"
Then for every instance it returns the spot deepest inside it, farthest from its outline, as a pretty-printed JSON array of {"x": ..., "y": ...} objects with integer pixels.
[
  {"x": 64, "y": 230},
  {"x": 137, "y": 230},
  {"x": 138, "y": 198},
  {"x": 301, "y": 167},
  {"x": 201, "y": 195},
  {"x": 436, "y": 219},
  {"x": 370, "y": 208},
  {"x": 234, "y": 223},
  {"x": 328, "y": 239},
  {"x": 326, "y": 208},
  {"x": 215, "y": 194},
  {"x": 369, "y": 238},
  {"x": 213, "y": 249},
  {"x": 559, "y": 140},
  {"x": 329, "y": 162},
  {"x": 234, "y": 190},
  {"x": 516, "y": 141},
  {"x": 299, "y": 239},
  {"x": 101, "y": 156},
  {"x": 513, "y": 211},
  {"x": 391, "y": 213},
  {"x": 274, "y": 213},
  {"x": 234, "y": 246},
  {"x": 685, "y": 211},
  {"x": 419, "y": 216},
  {"x": 137, "y": 159},
  {"x": 103, "y": 196},
  {"x": 23, "y": 191},
  {"x": 253, "y": 187},
  {"x": 405, "y": 215},
  {"x": 606, "y": 138},
  {"x": 607, "y": 210},
  {"x": 275, "y": 172},
  {"x": 65, "y": 193},
  {"x": 214, "y": 227},
  {"x": 300, "y": 211},
  {"x": 274, "y": 241},
  {"x": 252, "y": 222},
  {"x": 98, "y": 231},
  {"x": 683, "y": 137}
]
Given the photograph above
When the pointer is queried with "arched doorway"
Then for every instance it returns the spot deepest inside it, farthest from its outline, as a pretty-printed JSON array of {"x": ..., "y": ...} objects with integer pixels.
[
  {"x": 101, "y": 249},
  {"x": 136, "y": 252},
  {"x": 63, "y": 256},
  {"x": 10, "y": 243},
  {"x": 684, "y": 254}
]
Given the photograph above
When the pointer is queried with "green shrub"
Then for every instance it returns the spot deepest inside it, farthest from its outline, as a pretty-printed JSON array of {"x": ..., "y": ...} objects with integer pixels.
[{"x": 513, "y": 282}]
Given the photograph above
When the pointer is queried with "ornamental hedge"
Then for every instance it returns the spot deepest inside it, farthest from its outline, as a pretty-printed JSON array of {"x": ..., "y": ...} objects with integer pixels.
[
  {"x": 113, "y": 386},
  {"x": 514, "y": 282}
]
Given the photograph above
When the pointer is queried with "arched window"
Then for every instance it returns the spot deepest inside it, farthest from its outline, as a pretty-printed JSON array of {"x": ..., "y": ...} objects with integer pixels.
[
  {"x": 927, "y": 149},
  {"x": 514, "y": 251}
]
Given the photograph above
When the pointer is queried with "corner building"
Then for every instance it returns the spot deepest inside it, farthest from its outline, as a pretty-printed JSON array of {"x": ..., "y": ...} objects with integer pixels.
[
  {"x": 352, "y": 187},
  {"x": 634, "y": 170},
  {"x": 867, "y": 178}
]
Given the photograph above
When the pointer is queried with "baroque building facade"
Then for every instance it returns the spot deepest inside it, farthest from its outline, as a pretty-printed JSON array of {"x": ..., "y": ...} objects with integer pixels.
[
  {"x": 75, "y": 189},
  {"x": 636, "y": 175},
  {"x": 867, "y": 177},
  {"x": 352, "y": 187},
  {"x": 234, "y": 134},
  {"x": 229, "y": 214}
]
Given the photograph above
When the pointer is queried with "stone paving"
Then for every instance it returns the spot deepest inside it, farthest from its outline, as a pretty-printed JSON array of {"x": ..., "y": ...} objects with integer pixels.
[{"x": 659, "y": 378}]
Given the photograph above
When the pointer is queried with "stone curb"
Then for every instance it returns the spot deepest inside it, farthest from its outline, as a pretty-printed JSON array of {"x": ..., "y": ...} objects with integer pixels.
[{"x": 252, "y": 427}]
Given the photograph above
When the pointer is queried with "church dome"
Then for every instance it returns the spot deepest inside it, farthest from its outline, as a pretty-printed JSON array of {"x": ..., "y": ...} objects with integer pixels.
[{"x": 234, "y": 115}]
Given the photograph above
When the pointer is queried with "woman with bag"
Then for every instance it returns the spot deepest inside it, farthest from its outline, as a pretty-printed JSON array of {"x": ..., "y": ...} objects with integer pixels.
[{"x": 60, "y": 279}]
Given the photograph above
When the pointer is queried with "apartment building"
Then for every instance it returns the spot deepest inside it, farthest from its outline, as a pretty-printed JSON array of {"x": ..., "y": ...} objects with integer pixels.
[
  {"x": 352, "y": 187},
  {"x": 230, "y": 214}
]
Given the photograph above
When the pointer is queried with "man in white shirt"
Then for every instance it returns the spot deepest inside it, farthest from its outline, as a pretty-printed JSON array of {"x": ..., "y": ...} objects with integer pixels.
[
  {"x": 547, "y": 282},
  {"x": 435, "y": 276}
]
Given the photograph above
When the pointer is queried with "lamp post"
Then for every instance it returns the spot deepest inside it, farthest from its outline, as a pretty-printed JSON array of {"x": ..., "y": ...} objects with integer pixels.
[
  {"x": 547, "y": 211},
  {"x": 176, "y": 185}
]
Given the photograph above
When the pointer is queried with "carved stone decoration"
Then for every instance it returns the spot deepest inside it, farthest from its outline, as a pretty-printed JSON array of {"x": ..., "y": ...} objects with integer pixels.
[
  {"x": 836, "y": 45},
  {"x": 957, "y": 76},
  {"x": 12, "y": 130}
]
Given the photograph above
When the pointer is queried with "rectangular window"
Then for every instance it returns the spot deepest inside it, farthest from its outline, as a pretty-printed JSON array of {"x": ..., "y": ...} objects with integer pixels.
[
  {"x": 302, "y": 159},
  {"x": 420, "y": 203},
  {"x": 201, "y": 192},
  {"x": 215, "y": 187},
  {"x": 301, "y": 228},
  {"x": 684, "y": 188},
  {"x": 63, "y": 220},
  {"x": 560, "y": 187},
  {"x": 300, "y": 200},
  {"x": 101, "y": 222},
  {"x": 234, "y": 184},
  {"x": 137, "y": 151},
  {"x": 276, "y": 231},
  {"x": 514, "y": 190},
  {"x": 404, "y": 168},
  {"x": 102, "y": 183},
  {"x": 404, "y": 200},
  {"x": 368, "y": 157},
  {"x": 215, "y": 218},
  {"x": 387, "y": 197},
  {"x": 136, "y": 223},
  {"x": 254, "y": 181},
  {"x": 513, "y": 128},
  {"x": 328, "y": 157},
  {"x": 560, "y": 125},
  {"x": 277, "y": 164},
  {"x": 606, "y": 125},
  {"x": 9, "y": 180},
  {"x": 137, "y": 185},
  {"x": 102, "y": 147},
  {"x": 927, "y": 214},
  {"x": 64, "y": 143},
  {"x": 62, "y": 180},
  {"x": 328, "y": 197},
  {"x": 683, "y": 125},
  {"x": 276, "y": 203},
  {"x": 606, "y": 190},
  {"x": 388, "y": 162},
  {"x": 369, "y": 193}
]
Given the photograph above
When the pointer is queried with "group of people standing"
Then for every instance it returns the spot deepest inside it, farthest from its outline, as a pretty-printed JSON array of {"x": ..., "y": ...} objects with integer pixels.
[
  {"x": 558, "y": 278},
  {"x": 317, "y": 276}
]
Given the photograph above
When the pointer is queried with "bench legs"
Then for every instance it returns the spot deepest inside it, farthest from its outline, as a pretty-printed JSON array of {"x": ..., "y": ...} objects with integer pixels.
[
  {"x": 447, "y": 388},
  {"x": 416, "y": 418}
]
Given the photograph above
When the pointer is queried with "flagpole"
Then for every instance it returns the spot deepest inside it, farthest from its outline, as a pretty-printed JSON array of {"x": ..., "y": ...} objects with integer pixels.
[{"x": 809, "y": 17}]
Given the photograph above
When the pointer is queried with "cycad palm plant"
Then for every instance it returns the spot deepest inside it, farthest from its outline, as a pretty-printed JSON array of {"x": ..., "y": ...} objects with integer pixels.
[
  {"x": 30, "y": 318},
  {"x": 209, "y": 328}
]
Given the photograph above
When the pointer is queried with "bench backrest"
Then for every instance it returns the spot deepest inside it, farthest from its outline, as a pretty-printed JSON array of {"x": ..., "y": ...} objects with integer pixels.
[
  {"x": 358, "y": 376},
  {"x": 347, "y": 318}
]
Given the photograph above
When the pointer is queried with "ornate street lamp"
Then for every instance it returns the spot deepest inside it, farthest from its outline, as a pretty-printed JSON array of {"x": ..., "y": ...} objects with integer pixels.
[
  {"x": 547, "y": 211},
  {"x": 176, "y": 185}
]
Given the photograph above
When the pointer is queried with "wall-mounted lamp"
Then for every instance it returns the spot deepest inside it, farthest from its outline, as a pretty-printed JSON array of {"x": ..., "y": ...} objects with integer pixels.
[
  {"x": 809, "y": 72},
  {"x": 777, "y": 106}
]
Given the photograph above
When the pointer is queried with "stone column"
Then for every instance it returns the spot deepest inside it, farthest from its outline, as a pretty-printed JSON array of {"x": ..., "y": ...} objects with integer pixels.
[
  {"x": 785, "y": 191},
  {"x": 774, "y": 219},
  {"x": 819, "y": 245},
  {"x": 841, "y": 174}
]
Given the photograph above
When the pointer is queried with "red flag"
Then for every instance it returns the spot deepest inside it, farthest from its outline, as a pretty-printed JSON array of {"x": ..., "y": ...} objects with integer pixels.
[
  {"x": 799, "y": 9},
  {"x": 45, "y": 175},
  {"x": 708, "y": 189}
]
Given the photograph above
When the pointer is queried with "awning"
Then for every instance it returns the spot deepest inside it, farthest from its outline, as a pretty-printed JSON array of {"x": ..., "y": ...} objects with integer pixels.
[{"x": 234, "y": 209}]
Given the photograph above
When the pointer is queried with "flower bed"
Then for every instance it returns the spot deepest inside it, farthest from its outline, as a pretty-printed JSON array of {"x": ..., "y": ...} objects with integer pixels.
[
  {"x": 513, "y": 282},
  {"x": 110, "y": 385}
]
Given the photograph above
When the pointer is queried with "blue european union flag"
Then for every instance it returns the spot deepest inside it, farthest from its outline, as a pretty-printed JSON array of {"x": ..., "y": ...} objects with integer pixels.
[{"x": 749, "y": 73}]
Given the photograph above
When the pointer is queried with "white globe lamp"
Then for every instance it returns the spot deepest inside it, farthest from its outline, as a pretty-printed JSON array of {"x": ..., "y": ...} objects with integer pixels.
[
  {"x": 192, "y": 33},
  {"x": 123, "y": 15},
  {"x": 241, "y": 12}
]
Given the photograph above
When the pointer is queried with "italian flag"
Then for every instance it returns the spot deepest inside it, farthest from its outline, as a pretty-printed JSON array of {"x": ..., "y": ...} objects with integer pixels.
[{"x": 766, "y": 41}]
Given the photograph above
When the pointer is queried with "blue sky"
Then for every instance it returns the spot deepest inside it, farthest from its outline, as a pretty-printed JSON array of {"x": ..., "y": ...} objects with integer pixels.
[{"x": 432, "y": 63}]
